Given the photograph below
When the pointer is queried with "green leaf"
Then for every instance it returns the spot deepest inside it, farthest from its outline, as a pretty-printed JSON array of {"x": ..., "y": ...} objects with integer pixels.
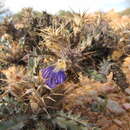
[{"x": 16, "y": 123}]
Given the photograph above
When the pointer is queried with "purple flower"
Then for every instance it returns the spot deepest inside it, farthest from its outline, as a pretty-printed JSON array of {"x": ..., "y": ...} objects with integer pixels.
[
  {"x": 47, "y": 71},
  {"x": 53, "y": 78}
]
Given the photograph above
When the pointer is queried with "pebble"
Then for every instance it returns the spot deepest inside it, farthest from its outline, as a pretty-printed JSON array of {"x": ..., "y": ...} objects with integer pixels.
[
  {"x": 105, "y": 123},
  {"x": 118, "y": 122},
  {"x": 127, "y": 91},
  {"x": 126, "y": 106},
  {"x": 114, "y": 107},
  {"x": 128, "y": 98},
  {"x": 92, "y": 93},
  {"x": 108, "y": 89},
  {"x": 100, "y": 100}
]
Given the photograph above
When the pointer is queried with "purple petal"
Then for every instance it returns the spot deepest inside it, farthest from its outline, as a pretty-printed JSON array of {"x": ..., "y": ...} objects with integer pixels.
[
  {"x": 61, "y": 77},
  {"x": 53, "y": 78},
  {"x": 50, "y": 68},
  {"x": 46, "y": 74},
  {"x": 47, "y": 82},
  {"x": 53, "y": 85},
  {"x": 47, "y": 71},
  {"x": 50, "y": 83},
  {"x": 56, "y": 78},
  {"x": 64, "y": 76}
]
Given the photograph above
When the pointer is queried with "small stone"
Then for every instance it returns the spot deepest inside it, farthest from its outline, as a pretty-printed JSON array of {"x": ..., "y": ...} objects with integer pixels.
[
  {"x": 126, "y": 106},
  {"x": 98, "y": 105},
  {"x": 108, "y": 89},
  {"x": 100, "y": 100},
  {"x": 103, "y": 122},
  {"x": 114, "y": 107},
  {"x": 127, "y": 91},
  {"x": 92, "y": 93},
  {"x": 128, "y": 99},
  {"x": 118, "y": 122}
]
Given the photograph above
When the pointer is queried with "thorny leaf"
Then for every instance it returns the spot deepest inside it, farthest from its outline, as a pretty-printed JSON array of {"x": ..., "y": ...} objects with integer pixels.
[{"x": 95, "y": 48}]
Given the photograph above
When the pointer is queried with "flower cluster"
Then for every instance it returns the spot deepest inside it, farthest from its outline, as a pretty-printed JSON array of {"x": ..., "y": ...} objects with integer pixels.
[{"x": 53, "y": 77}]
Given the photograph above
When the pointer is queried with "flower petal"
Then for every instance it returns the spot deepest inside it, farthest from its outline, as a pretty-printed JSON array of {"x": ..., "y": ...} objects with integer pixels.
[
  {"x": 53, "y": 78},
  {"x": 46, "y": 72},
  {"x": 61, "y": 77},
  {"x": 50, "y": 83},
  {"x": 56, "y": 78}
]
